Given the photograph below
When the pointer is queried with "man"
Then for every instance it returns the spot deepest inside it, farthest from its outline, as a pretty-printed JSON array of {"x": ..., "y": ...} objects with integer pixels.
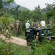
[
  {"x": 43, "y": 27},
  {"x": 27, "y": 25},
  {"x": 48, "y": 25},
  {"x": 27, "y": 30},
  {"x": 35, "y": 24},
  {"x": 42, "y": 24}
]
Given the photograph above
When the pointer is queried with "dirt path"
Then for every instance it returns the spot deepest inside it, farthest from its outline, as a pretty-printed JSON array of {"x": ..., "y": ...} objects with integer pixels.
[{"x": 14, "y": 40}]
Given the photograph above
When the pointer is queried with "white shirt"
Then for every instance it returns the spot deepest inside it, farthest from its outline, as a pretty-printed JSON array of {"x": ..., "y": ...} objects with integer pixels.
[
  {"x": 27, "y": 25},
  {"x": 42, "y": 23}
]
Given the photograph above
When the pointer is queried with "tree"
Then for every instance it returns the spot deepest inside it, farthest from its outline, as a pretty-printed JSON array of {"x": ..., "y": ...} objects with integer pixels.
[
  {"x": 48, "y": 7},
  {"x": 5, "y": 2},
  {"x": 1, "y": 4},
  {"x": 2, "y": 9},
  {"x": 51, "y": 14},
  {"x": 37, "y": 13}
]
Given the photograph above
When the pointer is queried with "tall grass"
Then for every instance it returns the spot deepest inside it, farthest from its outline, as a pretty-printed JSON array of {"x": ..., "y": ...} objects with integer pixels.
[{"x": 39, "y": 49}]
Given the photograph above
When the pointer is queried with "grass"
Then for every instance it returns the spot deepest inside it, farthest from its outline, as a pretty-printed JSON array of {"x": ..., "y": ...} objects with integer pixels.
[
  {"x": 13, "y": 49},
  {"x": 45, "y": 49},
  {"x": 21, "y": 35}
]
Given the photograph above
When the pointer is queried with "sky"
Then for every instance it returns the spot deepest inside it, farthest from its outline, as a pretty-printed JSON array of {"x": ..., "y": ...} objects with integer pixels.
[{"x": 31, "y": 4}]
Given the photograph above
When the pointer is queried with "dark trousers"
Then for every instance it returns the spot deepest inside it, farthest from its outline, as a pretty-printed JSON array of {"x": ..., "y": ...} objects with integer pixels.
[{"x": 27, "y": 34}]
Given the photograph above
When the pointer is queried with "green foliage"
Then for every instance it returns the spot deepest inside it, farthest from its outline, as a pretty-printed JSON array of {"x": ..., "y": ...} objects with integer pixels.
[
  {"x": 9, "y": 16},
  {"x": 2, "y": 11},
  {"x": 51, "y": 14},
  {"x": 5, "y": 2},
  {"x": 53, "y": 30},
  {"x": 4, "y": 21},
  {"x": 43, "y": 49},
  {"x": 13, "y": 49},
  {"x": 10, "y": 1},
  {"x": 1, "y": 4},
  {"x": 36, "y": 14}
]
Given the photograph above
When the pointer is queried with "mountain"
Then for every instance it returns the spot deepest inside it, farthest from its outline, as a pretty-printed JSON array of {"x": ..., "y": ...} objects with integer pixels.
[{"x": 12, "y": 5}]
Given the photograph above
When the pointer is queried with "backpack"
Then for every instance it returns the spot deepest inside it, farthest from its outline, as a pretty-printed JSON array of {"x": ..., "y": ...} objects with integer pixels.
[{"x": 35, "y": 25}]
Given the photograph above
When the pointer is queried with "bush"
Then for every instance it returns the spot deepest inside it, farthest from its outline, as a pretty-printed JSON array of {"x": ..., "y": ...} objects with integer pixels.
[
  {"x": 5, "y": 23},
  {"x": 53, "y": 30}
]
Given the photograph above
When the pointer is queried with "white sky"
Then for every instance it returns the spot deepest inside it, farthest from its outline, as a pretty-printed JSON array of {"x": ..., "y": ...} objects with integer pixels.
[{"x": 31, "y": 4}]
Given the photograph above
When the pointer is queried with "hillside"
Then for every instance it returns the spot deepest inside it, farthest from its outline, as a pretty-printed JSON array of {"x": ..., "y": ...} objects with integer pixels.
[{"x": 12, "y": 5}]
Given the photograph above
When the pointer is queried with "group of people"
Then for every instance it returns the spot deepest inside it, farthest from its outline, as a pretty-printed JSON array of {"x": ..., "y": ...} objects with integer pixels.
[{"x": 35, "y": 24}]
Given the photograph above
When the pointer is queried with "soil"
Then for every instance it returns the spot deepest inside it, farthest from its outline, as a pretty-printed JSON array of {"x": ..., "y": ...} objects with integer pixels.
[{"x": 14, "y": 40}]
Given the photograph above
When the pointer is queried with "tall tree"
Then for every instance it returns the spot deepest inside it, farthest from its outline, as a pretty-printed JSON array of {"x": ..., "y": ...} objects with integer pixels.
[
  {"x": 37, "y": 13},
  {"x": 1, "y": 4},
  {"x": 48, "y": 7}
]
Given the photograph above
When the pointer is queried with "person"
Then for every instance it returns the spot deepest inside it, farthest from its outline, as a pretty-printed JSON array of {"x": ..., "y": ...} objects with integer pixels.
[
  {"x": 27, "y": 29},
  {"x": 27, "y": 25},
  {"x": 35, "y": 24},
  {"x": 48, "y": 25},
  {"x": 42, "y": 23},
  {"x": 43, "y": 27}
]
